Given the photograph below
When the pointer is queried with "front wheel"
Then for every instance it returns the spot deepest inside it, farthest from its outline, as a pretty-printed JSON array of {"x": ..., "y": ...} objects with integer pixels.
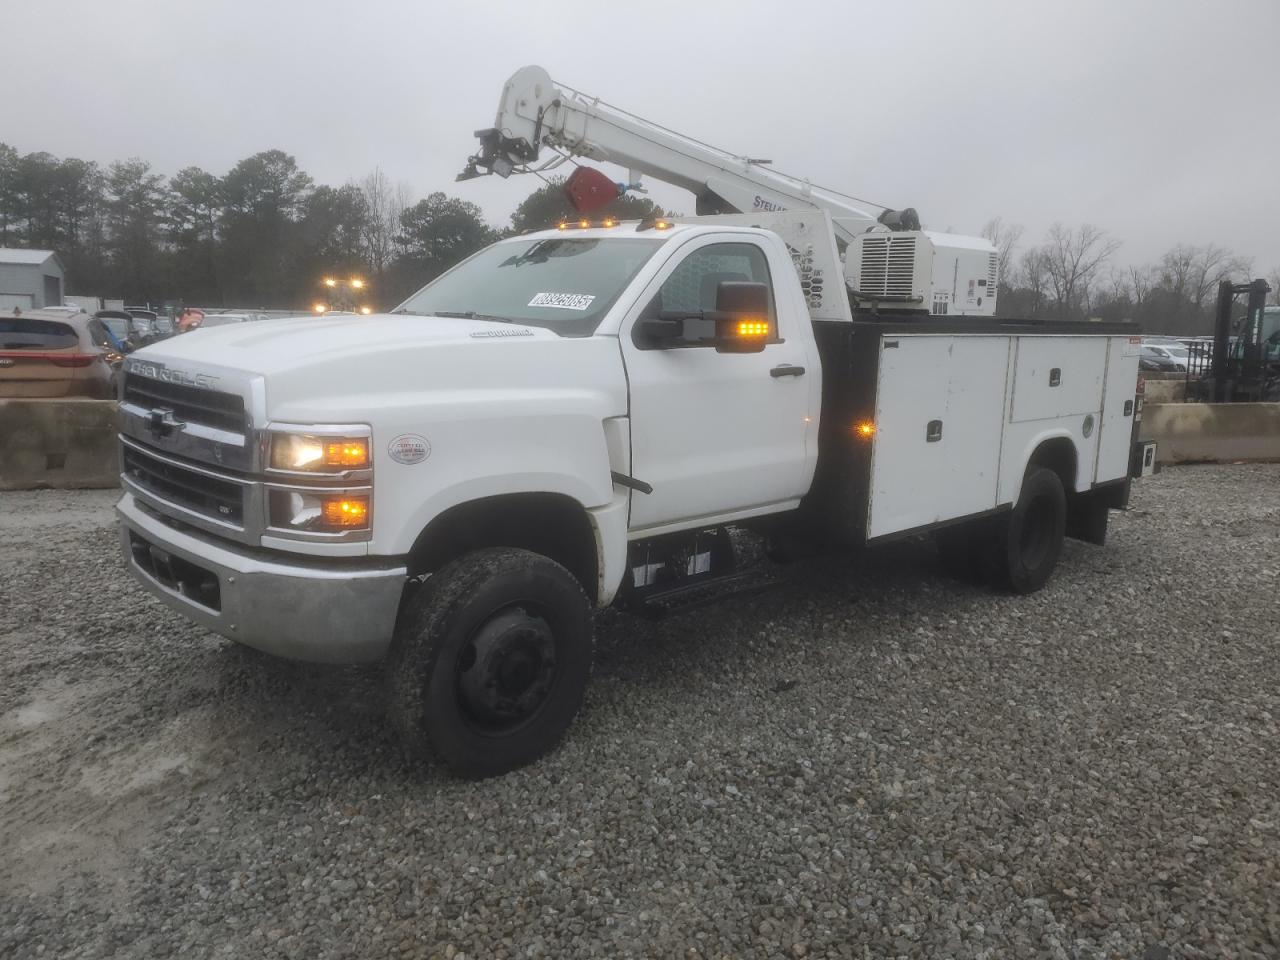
[
  {"x": 490, "y": 661},
  {"x": 1026, "y": 542}
]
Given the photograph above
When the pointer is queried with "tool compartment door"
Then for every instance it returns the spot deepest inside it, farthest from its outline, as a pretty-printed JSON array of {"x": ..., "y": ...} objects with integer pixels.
[
  {"x": 1057, "y": 377},
  {"x": 974, "y": 424},
  {"x": 1116, "y": 434},
  {"x": 906, "y": 472},
  {"x": 939, "y": 414}
]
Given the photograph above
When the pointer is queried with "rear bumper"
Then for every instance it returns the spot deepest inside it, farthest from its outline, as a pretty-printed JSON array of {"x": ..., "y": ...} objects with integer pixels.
[{"x": 322, "y": 612}]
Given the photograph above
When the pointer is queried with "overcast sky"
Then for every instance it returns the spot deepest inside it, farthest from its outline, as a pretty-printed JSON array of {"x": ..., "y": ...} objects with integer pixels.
[{"x": 1155, "y": 119}]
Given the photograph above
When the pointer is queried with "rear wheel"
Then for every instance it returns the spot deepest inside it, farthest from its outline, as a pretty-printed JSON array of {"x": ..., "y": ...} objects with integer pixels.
[
  {"x": 1026, "y": 542},
  {"x": 490, "y": 661}
]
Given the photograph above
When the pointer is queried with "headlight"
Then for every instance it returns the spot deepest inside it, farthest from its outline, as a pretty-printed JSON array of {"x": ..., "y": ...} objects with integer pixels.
[
  {"x": 304, "y": 452},
  {"x": 319, "y": 511}
]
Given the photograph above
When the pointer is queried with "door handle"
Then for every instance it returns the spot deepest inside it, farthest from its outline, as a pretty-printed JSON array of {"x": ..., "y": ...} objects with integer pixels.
[{"x": 787, "y": 370}]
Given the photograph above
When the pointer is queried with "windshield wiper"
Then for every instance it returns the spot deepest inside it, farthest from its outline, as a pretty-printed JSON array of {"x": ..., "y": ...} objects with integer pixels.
[{"x": 471, "y": 315}]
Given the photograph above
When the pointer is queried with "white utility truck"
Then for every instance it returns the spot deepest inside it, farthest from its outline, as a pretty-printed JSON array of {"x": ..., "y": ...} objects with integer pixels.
[{"x": 574, "y": 417}]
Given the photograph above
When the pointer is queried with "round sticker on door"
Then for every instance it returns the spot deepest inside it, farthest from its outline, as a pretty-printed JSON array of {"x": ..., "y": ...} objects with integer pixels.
[{"x": 409, "y": 448}]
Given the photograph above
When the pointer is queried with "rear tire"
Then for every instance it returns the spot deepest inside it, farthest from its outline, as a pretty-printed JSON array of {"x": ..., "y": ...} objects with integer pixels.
[
  {"x": 1026, "y": 542},
  {"x": 490, "y": 661}
]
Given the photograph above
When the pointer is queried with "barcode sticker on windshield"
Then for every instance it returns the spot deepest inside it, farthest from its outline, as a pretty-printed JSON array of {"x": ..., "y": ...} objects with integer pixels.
[{"x": 563, "y": 301}]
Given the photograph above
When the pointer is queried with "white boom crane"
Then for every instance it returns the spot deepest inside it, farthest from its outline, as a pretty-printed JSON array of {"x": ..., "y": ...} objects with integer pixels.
[
  {"x": 535, "y": 113},
  {"x": 891, "y": 261}
]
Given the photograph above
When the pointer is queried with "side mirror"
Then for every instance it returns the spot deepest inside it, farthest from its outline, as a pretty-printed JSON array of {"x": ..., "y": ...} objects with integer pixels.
[
  {"x": 656, "y": 333},
  {"x": 742, "y": 317}
]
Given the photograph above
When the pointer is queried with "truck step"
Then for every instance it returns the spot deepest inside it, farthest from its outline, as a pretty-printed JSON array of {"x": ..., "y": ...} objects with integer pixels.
[{"x": 700, "y": 593}]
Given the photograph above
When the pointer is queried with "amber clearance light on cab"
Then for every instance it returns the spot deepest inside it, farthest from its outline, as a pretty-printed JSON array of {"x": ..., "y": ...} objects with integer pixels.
[{"x": 866, "y": 429}]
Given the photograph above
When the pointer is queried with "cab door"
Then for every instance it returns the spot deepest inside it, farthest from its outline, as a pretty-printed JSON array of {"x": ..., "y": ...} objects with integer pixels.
[{"x": 720, "y": 434}]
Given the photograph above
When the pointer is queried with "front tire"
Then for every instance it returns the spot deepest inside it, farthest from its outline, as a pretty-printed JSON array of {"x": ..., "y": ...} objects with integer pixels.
[
  {"x": 490, "y": 661},
  {"x": 1027, "y": 541}
]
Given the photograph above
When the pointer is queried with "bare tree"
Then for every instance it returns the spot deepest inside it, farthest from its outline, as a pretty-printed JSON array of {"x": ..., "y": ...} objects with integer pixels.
[
  {"x": 1141, "y": 282},
  {"x": 1035, "y": 278},
  {"x": 1117, "y": 286},
  {"x": 1210, "y": 266},
  {"x": 401, "y": 200},
  {"x": 1004, "y": 237},
  {"x": 1274, "y": 280},
  {"x": 378, "y": 229},
  {"x": 1072, "y": 258}
]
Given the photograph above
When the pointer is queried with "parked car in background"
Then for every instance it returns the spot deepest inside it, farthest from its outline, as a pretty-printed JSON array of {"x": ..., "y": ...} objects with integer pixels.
[
  {"x": 1154, "y": 360},
  {"x": 142, "y": 324},
  {"x": 120, "y": 329},
  {"x": 53, "y": 353},
  {"x": 149, "y": 325},
  {"x": 1174, "y": 352}
]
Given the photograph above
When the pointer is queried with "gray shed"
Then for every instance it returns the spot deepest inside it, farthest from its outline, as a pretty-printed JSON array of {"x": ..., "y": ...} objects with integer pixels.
[{"x": 30, "y": 279}]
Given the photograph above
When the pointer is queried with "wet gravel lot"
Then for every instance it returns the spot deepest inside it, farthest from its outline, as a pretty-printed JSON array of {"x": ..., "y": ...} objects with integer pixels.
[{"x": 868, "y": 760}]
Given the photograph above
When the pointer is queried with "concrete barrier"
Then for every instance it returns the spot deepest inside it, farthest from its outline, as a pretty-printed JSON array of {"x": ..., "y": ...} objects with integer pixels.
[
  {"x": 1166, "y": 389},
  {"x": 64, "y": 444},
  {"x": 1212, "y": 432}
]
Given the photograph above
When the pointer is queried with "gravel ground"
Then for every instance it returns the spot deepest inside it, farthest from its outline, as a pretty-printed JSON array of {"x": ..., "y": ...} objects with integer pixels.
[{"x": 867, "y": 761}]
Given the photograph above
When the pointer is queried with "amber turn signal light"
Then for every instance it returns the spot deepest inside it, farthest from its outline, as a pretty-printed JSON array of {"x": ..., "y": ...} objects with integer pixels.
[
  {"x": 347, "y": 453},
  {"x": 753, "y": 328},
  {"x": 346, "y": 512}
]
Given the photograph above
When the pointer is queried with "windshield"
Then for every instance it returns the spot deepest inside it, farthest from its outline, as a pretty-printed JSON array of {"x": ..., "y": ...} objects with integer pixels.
[{"x": 565, "y": 284}]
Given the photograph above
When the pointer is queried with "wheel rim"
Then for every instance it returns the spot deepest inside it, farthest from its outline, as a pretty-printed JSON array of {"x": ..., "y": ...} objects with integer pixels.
[
  {"x": 1037, "y": 533},
  {"x": 505, "y": 672}
]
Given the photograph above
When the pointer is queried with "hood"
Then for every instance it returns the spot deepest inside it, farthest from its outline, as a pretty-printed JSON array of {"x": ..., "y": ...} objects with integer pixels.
[
  {"x": 355, "y": 369},
  {"x": 270, "y": 347}
]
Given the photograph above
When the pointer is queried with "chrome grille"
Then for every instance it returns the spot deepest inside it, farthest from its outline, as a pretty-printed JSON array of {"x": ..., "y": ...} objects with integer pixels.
[
  {"x": 191, "y": 488},
  {"x": 225, "y": 411}
]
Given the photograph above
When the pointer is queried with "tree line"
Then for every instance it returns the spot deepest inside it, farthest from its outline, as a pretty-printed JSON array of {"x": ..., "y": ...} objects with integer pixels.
[
  {"x": 262, "y": 235},
  {"x": 1071, "y": 275}
]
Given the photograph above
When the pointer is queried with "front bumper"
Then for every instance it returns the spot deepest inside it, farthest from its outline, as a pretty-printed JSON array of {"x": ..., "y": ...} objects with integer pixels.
[{"x": 319, "y": 611}]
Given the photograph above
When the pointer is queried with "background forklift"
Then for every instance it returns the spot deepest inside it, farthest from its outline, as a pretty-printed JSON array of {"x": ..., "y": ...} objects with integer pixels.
[{"x": 1244, "y": 368}]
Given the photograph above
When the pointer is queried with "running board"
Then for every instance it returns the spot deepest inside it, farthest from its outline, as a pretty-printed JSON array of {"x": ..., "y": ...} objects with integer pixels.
[{"x": 689, "y": 596}]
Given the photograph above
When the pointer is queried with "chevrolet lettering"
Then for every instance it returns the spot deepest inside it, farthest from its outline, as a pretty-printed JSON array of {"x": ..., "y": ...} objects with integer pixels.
[{"x": 158, "y": 371}]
